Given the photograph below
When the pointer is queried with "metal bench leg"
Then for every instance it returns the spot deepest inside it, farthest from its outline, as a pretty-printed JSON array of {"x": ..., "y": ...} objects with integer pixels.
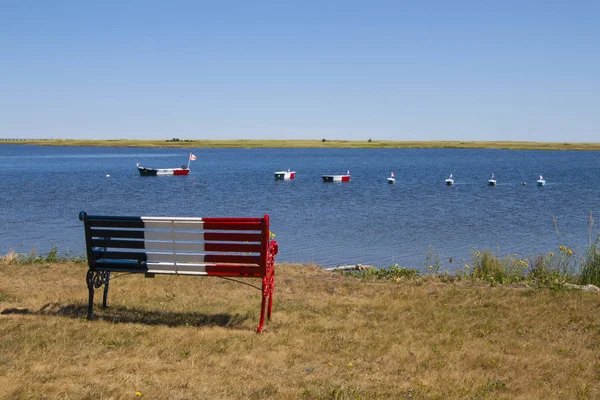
[
  {"x": 89, "y": 279},
  {"x": 271, "y": 290},
  {"x": 265, "y": 293},
  {"x": 106, "y": 281},
  {"x": 94, "y": 280}
]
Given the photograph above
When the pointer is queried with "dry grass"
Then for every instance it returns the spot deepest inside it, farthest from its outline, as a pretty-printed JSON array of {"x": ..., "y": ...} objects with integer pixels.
[
  {"x": 249, "y": 143},
  {"x": 332, "y": 337}
]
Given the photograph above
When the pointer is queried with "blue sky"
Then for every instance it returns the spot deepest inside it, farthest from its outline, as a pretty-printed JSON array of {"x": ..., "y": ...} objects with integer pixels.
[{"x": 300, "y": 70}]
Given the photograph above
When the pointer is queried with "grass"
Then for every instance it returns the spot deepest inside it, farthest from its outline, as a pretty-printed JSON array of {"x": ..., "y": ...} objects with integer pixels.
[
  {"x": 383, "y": 334},
  {"x": 322, "y": 143},
  {"x": 590, "y": 273}
]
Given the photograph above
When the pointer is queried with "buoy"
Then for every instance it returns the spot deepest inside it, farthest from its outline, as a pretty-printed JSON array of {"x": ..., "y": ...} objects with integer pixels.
[
  {"x": 524, "y": 183},
  {"x": 108, "y": 175}
]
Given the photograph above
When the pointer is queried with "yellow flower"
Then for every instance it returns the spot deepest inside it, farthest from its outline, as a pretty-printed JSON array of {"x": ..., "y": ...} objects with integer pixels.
[
  {"x": 570, "y": 252},
  {"x": 349, "y": 364},
  {"x": 331, "y": 364},
  {"x": 466, "y": 265},
  {"x": 431, "y": 266},
  {"x": 138, "y": 393},
  {"x": 551, "y": 254}
]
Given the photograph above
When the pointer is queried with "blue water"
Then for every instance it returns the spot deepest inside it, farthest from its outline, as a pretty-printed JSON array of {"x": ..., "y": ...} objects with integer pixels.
[{"x": 365, "y": 221}]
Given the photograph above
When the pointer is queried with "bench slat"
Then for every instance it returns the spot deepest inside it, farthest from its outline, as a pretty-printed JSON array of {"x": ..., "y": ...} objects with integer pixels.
[
  {"x": 181, "y": 225},
  {"x": 116, "y": 233},
  {"x": 141, "y": 257},
  {"x": 232, "y": 226},
  {"x": 232, "y": 237},
  {"x": 198, "y": 269},
  {"x": 179, "y": 236},
  {"x": 120, "y": 244},
  {"x": 117, "y": 223},
  {"x": 242, "y": 224}
]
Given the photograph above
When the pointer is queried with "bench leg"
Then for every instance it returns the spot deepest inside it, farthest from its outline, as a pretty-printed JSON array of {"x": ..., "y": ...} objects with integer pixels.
[
  {"x": 89, "y": 279},
  {"x": 265, "y": 293},
  {"x": 105, "y": 297},
  {"x": 94, "y": 280},
  {"x": 271, "y": 290}
]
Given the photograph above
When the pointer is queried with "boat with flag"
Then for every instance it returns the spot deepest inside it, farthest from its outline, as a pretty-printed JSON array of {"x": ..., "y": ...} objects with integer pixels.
[
  {"x": 492, "y": 180},
  {"x": 337, "y": 178},
  {"x": 183, "y": 170},
  {"x": 391, "y": 180},
  {"x": 285, "y": 175},
  {"x": 541, "y": 181},
  {"x": 450, "y": 181}
]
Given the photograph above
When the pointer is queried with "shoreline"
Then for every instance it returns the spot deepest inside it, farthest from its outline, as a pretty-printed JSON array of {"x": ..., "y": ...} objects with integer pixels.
[{"x": 333, "y": 144}]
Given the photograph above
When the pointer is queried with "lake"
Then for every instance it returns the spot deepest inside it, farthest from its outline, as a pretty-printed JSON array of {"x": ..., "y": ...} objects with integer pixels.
[{"x": 364, "y": 221}]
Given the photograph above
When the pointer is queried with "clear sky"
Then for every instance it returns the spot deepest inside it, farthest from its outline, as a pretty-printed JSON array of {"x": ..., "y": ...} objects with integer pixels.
[{"x": 395, "y": 70}]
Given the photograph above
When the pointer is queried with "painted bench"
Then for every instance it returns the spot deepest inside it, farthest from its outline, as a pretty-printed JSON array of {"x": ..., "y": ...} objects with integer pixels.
[{"x": 224, "y": 247}]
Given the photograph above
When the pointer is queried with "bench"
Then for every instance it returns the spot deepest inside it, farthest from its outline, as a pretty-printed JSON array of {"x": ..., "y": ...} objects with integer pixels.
[{"x": 223, "y": 247}]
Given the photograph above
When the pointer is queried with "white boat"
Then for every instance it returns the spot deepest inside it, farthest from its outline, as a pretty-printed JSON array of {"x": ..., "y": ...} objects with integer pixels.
[
  {"x": 541, "y": 181},
  {"x": 492, "y": 180},
  {"x": 284, "y": 175},
  {"x": 391, "y": 180},
  {"x": 450, "y": 181},
  {"x": 337, "y": 178},
  {"x": 183, "y": 170}
]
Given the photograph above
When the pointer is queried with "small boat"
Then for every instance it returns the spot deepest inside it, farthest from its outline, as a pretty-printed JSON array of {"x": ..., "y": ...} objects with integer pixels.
[
  {"x": 183, "y": 170},
  {"x": 391, "y": 180},
  {"x": 337, "y": 178},
  {"x": 541, "y": 181},
  {"x": 492, "y": 180},
  {"x": 450, "y": 181},
  {"x": 285, "y": 175}
]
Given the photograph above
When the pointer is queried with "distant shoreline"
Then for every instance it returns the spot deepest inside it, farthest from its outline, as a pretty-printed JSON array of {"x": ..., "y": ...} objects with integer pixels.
[{"x": 248, "y": 143}]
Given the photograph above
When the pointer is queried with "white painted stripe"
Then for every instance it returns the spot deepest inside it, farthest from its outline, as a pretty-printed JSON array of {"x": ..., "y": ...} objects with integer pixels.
[
  {"x": 173, "y": 272},
  {"x": 173, "y": 236},
  {"x": 169, "y": 219},
  {"x": 195, "y": 225},
  {"x": 178, "y": 246},
  {"x": 175, "y": 257},
  {"x": 176, "y": 269}
]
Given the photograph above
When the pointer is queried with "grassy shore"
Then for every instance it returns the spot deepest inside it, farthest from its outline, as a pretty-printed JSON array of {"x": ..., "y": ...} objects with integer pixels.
[
  {"x": 333, "y": 336},
  {"x": 374, "y": 144}
]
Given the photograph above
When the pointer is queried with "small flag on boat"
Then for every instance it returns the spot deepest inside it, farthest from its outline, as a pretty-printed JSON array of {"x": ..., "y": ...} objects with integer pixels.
[{"x": 192, "y": 157}]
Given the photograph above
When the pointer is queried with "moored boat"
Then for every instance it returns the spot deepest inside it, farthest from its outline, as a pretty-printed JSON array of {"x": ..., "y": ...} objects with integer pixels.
[
  {"x": 450, "y": 180},
  {"x": 391, "y": 180},
  {"x": 183, "y": 170},
  {"x": 541, "y": 181},
  {"x": 492, "y": 180},
  {"x": 284, "y": 175},
  {"x": 337, "y": 178}
]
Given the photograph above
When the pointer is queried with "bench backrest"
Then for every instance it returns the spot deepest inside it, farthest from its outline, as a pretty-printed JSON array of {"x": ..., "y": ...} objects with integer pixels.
[{"x": 177, "y": 245}]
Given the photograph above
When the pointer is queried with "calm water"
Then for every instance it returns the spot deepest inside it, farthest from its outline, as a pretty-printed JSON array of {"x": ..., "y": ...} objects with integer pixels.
[{"x": 365, "y": 221}]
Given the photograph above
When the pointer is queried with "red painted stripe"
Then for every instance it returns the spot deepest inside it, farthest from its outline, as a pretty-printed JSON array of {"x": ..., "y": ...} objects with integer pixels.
[
  {"x": 232, "y": 237},
  {"x": 232, "y": 219},
  {"x": 234, "y": 270},
  {"x": 230, "y": 258},
  {"x": 233, "y": 247},
  {"x": 233, "y": 224}
]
